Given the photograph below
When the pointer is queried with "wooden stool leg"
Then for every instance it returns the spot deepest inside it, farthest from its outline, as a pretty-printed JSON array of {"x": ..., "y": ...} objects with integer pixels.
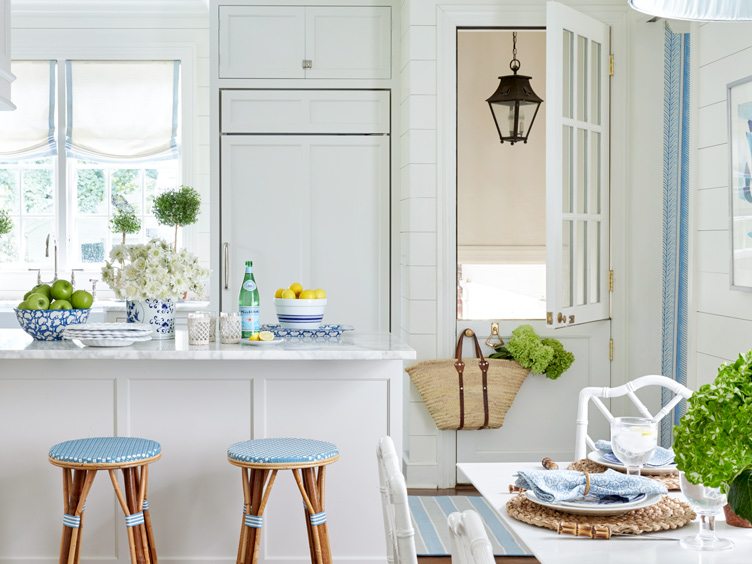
[
  {"x": 131, "y": 497},
  {"x": 76, "y": 486},
  {"x": 314, "y": 540},
  {"x": 124, "y": 506},
  {"x": 144, "y": 481},
  {"x": 256, "y": 491}
]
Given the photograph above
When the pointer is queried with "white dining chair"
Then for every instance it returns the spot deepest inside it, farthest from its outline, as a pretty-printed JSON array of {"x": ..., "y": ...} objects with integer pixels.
[
  {"x": 470, "y": 544},
  {"x": 594, "y": 394},
  {"x": 398, "y": 526}
]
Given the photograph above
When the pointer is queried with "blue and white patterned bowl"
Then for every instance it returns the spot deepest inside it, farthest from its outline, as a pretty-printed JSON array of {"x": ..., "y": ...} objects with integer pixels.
[
  {"x": 300, "y": 314},
  {"x": 48, "y": 325}
]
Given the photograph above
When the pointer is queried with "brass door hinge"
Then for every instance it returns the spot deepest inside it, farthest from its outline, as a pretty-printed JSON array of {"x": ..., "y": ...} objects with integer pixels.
[
  {"x": 611, "y": 65},
  {"x": 611, "y": 349},
  {"x": 611, "y": 281}
]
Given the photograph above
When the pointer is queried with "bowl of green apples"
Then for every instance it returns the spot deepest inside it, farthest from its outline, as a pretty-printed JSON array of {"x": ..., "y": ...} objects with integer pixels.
[{"x": 47, "y": 309}]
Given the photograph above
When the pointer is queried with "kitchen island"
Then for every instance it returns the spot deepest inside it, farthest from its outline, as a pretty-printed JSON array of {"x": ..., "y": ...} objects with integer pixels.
[{"x": 196, "y": 401}]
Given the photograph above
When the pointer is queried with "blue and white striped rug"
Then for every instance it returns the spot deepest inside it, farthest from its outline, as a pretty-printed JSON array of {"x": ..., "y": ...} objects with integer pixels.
[{"x": 432, "y": 535}]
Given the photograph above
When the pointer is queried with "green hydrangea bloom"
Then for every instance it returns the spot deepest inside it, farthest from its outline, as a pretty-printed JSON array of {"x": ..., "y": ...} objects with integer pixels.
[
  {"x": 561, "y": 360},
  {"x": 526, "y": 347}
]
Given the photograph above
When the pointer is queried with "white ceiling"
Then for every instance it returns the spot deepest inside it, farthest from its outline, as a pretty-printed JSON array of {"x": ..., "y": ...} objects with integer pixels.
[{"x": 177, "y": 7}]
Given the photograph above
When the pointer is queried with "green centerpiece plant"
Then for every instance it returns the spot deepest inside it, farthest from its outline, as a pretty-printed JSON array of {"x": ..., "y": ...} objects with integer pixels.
[
  {"x": 125, "y": 221},
  {"x": 541, "y": 356},
  {"x": 179, "y": 207},
  {"x": 713, "y": 440}
]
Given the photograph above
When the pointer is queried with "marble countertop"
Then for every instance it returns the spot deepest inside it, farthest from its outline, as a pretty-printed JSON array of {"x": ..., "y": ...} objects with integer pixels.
[
  {"x": 17, "y": 345},
  {"x": 115, "y": 305}
]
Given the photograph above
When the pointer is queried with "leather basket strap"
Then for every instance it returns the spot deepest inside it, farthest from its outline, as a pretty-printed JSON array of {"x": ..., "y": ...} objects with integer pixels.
[{"x": 459, "y": 365}]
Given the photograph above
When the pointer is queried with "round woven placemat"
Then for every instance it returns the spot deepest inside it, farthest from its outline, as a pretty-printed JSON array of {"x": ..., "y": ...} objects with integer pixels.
[
  {"x": 671, "y": 481},
  {"x": 668, "y": 513}
]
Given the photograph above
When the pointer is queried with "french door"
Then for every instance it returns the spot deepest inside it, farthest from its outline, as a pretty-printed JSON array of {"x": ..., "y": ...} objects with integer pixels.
[{"x": 541, "y": 422}]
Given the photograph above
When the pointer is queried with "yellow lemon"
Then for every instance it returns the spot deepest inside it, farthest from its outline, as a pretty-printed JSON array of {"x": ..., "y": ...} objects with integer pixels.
[
  {"x": 296, "y": 287},
  {"x": 307, "y": 295},
  {"x": 254, "y": 337},
  {"x": 278, "y": 293},
  {"x": 287, "y": 295},
  {"x": 320, "y": 294},
  {"x": 266, "y": 336}
]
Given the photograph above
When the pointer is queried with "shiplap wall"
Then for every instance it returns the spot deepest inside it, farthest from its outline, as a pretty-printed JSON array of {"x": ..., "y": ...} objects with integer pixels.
[{"x": 723, "y": 316}]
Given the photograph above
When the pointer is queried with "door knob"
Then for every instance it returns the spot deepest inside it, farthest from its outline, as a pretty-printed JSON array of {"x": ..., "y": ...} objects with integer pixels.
[{"x": 561, "y": 318}]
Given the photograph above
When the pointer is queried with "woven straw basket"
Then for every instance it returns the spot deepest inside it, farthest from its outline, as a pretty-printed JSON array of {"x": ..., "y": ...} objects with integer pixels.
[{"x": 438, "y": 383}]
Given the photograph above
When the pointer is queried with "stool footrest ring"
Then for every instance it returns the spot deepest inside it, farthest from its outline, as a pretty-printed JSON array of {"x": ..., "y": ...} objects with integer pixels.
[
  {"x": 71, "y": 521},
  {"x": 134, "y": 519},
  {"x": 254, "y": 521},
  {"x": 318, "y": 518}
]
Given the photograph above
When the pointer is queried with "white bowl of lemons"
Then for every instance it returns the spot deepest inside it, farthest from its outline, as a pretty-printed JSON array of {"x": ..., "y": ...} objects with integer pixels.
[{"x": 299, "y": 308}]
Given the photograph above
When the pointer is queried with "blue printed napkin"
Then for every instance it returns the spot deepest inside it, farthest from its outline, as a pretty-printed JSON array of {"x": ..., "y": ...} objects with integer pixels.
[
  {"x": 567, "y": 485},
  {"x": 660, "y": 457}
]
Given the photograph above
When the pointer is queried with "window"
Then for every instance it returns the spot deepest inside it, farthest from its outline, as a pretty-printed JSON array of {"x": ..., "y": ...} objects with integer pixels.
[{"x": 69, "y": 160}]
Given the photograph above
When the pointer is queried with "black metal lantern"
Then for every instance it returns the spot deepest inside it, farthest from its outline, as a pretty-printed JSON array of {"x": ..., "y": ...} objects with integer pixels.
[{"x": 514, "y": 105}]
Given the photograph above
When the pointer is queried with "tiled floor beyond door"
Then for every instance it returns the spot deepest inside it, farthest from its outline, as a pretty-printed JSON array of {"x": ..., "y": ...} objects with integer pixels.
[{"x": 464, "y": 490}]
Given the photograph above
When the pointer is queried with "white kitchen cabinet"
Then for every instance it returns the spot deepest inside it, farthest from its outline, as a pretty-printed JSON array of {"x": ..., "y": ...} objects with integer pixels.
[
  {"x": 312, "y": 209},
  {"x": 6, "y": 77},
  {"x": 337, "y": 42}
]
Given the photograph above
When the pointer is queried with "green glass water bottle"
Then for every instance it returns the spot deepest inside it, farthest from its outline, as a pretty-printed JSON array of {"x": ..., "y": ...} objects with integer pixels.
[{"x": 250, "y": 310}]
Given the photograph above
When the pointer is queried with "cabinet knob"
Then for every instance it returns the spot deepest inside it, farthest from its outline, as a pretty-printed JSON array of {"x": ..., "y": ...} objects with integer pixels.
[{"x": 307, "y": 64}]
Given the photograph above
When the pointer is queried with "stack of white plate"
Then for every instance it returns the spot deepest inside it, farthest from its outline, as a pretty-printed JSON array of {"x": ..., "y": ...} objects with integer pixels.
[{"x": 108, "y": 334}]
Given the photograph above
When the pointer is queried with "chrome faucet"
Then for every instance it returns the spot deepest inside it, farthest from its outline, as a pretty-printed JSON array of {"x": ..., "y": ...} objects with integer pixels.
[{"x": 47, "y": 252}]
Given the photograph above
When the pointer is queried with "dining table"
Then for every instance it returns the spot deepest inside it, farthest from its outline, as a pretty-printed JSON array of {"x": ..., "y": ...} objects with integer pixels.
[{"x": 492, "y": 481}]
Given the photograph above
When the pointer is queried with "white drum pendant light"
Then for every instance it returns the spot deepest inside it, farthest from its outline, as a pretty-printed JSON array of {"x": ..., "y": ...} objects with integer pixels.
[{"x": 699, "y": 10}]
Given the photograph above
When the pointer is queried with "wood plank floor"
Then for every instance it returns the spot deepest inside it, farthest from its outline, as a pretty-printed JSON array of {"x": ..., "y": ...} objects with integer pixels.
[{"x": 464, "y": 490}]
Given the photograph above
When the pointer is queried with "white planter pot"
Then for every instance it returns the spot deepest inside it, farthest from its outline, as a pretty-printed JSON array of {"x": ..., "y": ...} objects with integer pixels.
[{"x": 158, "y": 314}]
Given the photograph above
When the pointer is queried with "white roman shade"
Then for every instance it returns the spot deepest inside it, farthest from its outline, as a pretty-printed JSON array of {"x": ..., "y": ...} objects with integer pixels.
[
  {"x": 29, "y": 131},
  {"x": 122, "y": 110},
  {"x": 700, "y": 10}
]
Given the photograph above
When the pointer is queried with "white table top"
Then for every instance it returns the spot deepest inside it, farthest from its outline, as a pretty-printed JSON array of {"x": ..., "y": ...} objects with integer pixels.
[{"x": 492, "y": 481}]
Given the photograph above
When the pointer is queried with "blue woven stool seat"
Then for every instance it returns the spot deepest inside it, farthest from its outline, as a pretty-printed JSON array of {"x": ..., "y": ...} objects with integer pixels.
[
  {"x": 105, "y": 450},
  {"x": 305, "y": 452}
]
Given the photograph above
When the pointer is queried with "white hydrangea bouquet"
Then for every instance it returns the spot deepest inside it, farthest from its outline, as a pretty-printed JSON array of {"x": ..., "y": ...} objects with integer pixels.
[{"x": 153, "y": 271}]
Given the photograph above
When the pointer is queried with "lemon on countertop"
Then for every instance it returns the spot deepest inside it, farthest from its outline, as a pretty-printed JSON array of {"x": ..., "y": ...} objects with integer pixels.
[
  {"x": 296, "y": 287},
  {"x": 254, "y": 337},
  {"x": 266, "y": 336}
]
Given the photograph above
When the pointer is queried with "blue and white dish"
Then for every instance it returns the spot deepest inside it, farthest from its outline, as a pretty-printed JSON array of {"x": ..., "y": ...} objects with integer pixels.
[
  {"x": 159, "y": 315},
  {"x": 322, "y": 332},
  {"x": 585, "y": 507},
  {"x": 48, "y": 325},
  {"x": 598, "y": 458}
]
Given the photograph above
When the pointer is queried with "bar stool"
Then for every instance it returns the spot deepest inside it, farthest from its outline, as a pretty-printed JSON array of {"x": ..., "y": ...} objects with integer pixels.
[
  {"x": 80, "y": 460},
  {"x": 259, "y": 460}
]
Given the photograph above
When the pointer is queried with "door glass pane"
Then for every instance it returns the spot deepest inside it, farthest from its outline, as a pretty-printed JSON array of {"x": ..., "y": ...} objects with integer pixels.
[
  {"x": 580, "y": 262},
  {"x": 594, "y": 261},
  {"x": 594, "y": 175},
  {"x": 582, "y": 78},
  {"x": 568, "y": 82},
  {"x": 595, "y": 84},
  {"x": 566, "y": 265},
  {"x": 567, "y": 140},
  {"x": 581, "y": 172}
]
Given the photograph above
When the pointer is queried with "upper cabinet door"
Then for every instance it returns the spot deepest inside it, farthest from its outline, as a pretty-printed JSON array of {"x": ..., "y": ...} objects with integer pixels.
[
  {"x": 6, "y": 77},
  {"x": 349, "y": 42},
  {"x": 577, "y": 148},
  {"x": 261, "y": 41}
]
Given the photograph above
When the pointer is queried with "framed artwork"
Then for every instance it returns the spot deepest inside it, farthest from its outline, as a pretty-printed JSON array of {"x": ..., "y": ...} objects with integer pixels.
[{"x": 740, "y": 181}]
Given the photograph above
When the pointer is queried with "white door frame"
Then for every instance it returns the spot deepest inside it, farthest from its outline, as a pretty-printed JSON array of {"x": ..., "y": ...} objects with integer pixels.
[{"x": 529, "y": 14}]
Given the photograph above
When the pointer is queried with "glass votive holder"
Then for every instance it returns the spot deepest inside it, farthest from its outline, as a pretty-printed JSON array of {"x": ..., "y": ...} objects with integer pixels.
[
  {"x": 198, "y": 328},
  {"x": 229, "y": 328},
  {"x": 212, "y": 328}
]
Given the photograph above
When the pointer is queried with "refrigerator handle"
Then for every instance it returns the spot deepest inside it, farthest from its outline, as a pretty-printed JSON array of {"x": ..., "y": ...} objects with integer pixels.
[{"x": 227, "y": 265}]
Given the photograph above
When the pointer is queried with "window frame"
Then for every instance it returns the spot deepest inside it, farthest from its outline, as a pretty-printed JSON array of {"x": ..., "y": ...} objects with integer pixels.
[{"x": 65, "y": 193}]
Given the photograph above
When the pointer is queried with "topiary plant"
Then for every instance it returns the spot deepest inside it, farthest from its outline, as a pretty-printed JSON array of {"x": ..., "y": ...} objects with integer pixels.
[
  {"x": 6, "y": 223},
  {"x": 178, "y": 207},
  {"x": 125, "y": 221}
]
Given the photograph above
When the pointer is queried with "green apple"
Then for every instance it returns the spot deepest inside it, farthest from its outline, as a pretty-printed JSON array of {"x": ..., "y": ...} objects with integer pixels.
[
  {"x": 61, "y": 304},
  {"x": 44, "y": 289},
  {"x": 37, "y": 301},
  {"x": 61, "y": 290},
  {"x": 22, "y": 305},
  {"x": 81, "y": 299}
]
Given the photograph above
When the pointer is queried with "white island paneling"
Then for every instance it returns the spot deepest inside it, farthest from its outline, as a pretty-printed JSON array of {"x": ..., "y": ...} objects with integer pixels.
[{"x": 196, "y": 401}]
